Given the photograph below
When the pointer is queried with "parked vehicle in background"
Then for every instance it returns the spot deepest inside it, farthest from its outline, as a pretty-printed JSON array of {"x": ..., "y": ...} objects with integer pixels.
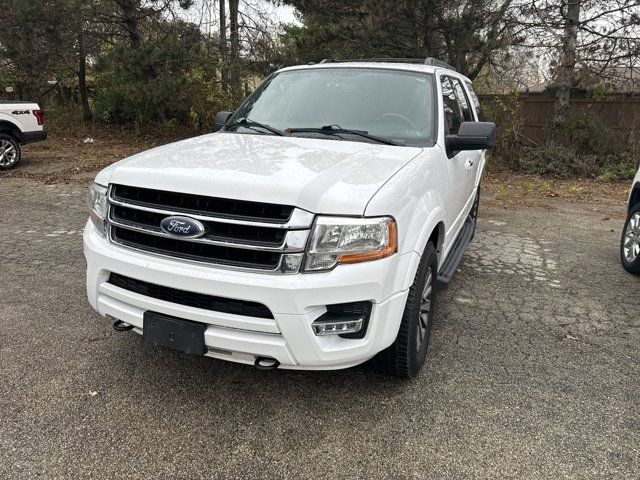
[
  {"x": 312, "y": 232},
  {"x": 630, "y": 241},
  {"x": 20, "y": 123}
]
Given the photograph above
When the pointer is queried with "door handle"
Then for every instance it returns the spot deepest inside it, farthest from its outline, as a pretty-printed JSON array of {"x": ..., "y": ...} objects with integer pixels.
[{"x": 468, "y": 163}]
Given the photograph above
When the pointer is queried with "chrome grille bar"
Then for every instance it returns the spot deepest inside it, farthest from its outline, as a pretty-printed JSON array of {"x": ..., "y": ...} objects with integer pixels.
[
  {"x": 299, "y": 218},
  {"x": 270, "y": 247},
  {"x": 295, "y": 240}
]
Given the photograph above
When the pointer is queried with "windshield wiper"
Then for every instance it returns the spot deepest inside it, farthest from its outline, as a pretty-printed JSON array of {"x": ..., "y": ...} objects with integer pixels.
[
  {"x": 336, "y": 130},
  {"x": 248, "y": 123}
]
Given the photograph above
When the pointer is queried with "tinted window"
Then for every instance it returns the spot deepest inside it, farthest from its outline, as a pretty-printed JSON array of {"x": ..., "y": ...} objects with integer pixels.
[
  {"x": 467, "y": 114},
  {"x": 452, "y": 111},
  {"x": 474, "y": 97},
  {"x": 388, "y": 103}
]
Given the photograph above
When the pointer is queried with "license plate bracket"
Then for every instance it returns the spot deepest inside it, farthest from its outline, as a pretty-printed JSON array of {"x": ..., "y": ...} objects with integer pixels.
[{"x": 174, "y": 333}]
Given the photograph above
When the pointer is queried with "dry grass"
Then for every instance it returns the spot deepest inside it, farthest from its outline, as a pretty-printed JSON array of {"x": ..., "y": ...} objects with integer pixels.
[
  {"x": 513, "y": 190},
  {"x": 65, "y": 157}
]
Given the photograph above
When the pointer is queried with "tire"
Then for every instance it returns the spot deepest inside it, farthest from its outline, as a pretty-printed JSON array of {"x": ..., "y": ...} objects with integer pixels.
[
  {"x": 10, "y": 152},
  {"x": 630, "y": 242},
  {"x": 473, "y": 213},
  {"x": 409, "y": 351}
]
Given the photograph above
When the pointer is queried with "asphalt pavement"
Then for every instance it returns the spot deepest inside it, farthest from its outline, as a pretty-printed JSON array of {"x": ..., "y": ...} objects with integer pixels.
[{"x": 533, "y": 369}]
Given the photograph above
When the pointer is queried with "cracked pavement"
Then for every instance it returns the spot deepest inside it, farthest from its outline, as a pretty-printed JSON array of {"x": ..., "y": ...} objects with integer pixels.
[{"x": 533, "y": 369}]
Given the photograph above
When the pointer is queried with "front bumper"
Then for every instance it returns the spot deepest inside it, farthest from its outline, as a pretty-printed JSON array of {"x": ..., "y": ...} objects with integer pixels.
[{"x": 295, "y": 301}]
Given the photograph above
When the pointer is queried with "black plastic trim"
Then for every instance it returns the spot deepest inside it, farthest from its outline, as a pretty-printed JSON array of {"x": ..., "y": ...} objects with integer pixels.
[
  {"x": 452, "y": 261},
  {"x": 191, "y": 299},
  {"x": 32, "y": 137}
]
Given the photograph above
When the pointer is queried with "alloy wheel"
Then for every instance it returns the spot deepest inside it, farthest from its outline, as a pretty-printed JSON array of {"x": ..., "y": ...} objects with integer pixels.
[
  {"x": 425, "y": 312},
  {"x": 8, "y": 153},
  {"x": 631, "y": 242}
]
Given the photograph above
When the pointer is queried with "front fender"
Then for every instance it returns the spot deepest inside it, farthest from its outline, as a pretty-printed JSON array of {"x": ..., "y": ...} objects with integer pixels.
[{"x": 413, "y": 197}]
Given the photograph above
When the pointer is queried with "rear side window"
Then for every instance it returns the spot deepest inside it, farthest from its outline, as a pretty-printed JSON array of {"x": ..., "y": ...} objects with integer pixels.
[
  {"x": 463, "y": 101},
  {"x": 452, "y": 110},
  {"x": 474, "y": 97}
]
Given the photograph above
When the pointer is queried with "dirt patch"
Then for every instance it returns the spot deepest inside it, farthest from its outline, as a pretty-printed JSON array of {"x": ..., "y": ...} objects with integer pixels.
[
  {"x": 513, "y": 190},
  {"x": 75, "y": 154}
]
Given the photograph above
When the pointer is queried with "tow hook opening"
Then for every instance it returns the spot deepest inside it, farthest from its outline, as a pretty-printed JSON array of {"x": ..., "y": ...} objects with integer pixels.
[
  {"x": 120, "y": 326},
  {"x": 266, "y": 363}
]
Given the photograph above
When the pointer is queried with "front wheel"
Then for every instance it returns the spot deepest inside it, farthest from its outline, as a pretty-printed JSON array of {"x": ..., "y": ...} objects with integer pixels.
[
  {"x": 630, "y": 242},
  {"x": 409, "y": 351},
  {"x": 9, "y": 152}
]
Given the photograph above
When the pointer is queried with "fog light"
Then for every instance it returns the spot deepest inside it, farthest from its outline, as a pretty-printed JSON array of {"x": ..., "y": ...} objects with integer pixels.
[{"x": 337, "y": 327}]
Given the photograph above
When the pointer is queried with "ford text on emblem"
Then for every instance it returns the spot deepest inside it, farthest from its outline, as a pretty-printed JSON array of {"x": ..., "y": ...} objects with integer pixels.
[{"x": 183, "y": 227}]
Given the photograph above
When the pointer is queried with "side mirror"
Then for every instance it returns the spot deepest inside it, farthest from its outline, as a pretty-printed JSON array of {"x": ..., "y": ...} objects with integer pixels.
[
  {"x": 473, "y": 136},
  {"x": 221, "y": 119}
]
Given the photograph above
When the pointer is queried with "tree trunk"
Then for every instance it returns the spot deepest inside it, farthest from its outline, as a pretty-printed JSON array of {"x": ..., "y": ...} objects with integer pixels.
[
  {"x": 131, "y": 22},
  {"x": 429, "y": 31},
  {"x": 234, "y": 50},
  {"x": 82, "y": 78},
  {"x": 223, "y": 46},
  {"x": 564, "y": 78}
]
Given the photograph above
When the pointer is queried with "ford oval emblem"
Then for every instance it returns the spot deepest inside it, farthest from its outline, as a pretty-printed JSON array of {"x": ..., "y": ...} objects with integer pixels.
[{"x": 183, "y": 227}]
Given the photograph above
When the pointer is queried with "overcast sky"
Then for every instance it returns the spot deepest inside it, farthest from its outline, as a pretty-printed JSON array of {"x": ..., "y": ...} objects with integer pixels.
[{"x": 205, "y": 12}]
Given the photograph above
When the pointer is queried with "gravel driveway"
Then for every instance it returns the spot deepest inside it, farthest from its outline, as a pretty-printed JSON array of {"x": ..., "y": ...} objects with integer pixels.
[{"x": 533, "y": 370}]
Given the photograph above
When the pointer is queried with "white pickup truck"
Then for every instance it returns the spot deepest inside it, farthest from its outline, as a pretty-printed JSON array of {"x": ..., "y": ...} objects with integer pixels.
[
  {"x": 313, "y": 231},
  {"x": 20, "y": 123}
]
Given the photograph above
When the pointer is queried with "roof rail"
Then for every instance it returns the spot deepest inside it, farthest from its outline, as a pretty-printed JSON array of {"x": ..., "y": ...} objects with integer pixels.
[{"x": 434, "y": 62}]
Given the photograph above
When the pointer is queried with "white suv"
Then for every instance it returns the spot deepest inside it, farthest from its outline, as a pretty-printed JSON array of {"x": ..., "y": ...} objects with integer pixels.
[{"x": 311, "y": 232}]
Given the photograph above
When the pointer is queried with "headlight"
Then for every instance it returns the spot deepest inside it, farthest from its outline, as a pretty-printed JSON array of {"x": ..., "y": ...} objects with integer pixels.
[
  {"x": 97, "y": 201},
  {"x": 350, "y": 240}
]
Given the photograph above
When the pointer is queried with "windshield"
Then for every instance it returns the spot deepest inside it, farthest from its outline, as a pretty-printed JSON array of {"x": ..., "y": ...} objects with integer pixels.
[{"x": 391, "y": 104}]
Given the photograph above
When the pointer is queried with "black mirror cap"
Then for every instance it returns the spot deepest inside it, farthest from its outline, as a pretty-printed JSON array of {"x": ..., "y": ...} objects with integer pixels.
[
  {"x": 221, "y": 119},
  {"x": 473, "y": 136}
]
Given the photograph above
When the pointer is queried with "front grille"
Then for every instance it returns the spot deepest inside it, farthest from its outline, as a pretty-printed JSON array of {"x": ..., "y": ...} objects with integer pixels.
[
  {"x": 216, "y": 231},
  {"x": 191, "y": 299},
  {"x": 196, "y": 251},
  {"x": 195, "y": 204},
  {"x": 238, "y": 234}
]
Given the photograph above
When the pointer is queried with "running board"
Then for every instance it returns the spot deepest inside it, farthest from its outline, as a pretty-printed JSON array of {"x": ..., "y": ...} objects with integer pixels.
[{"x": 452, "y": 261}]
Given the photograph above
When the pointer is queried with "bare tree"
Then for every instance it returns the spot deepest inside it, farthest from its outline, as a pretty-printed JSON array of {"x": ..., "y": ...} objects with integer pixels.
[
  {"x": 223, "y": 45},
  {"x": 234, "y": 44},
  {"x": 593, "y": 35},
  {"x": 564, "y": 78}
]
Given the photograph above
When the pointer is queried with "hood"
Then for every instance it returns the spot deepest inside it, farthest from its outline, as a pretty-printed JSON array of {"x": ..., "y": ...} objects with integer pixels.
[{"x": 318, "y": 175}]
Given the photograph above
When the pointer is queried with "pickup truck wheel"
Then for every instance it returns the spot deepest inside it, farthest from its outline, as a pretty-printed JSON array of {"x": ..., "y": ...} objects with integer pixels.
[
  {"x": 9, "y": 151},
  {"x": 408, "y": 353},
  {"x": 630, "y": 242}
]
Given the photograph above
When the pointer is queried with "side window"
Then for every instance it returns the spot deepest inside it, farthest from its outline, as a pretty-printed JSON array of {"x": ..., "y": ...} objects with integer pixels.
[
  {"x": 474, "y": 98},
  {"x": 467, "y": 114},
  {"x": 452, "y": 111}
]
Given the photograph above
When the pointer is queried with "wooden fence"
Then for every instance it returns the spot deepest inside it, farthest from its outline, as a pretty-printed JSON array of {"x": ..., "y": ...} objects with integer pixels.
[{"x": 620, "y": 115}]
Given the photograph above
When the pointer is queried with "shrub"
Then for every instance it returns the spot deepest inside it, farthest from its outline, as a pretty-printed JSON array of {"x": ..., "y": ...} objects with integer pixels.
[
  {"x": 619, "y": 168},
  {"x": 171, "y": 78},
  {"x": 557, "y": 161},
  {"x": 589, "y": 134}
]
